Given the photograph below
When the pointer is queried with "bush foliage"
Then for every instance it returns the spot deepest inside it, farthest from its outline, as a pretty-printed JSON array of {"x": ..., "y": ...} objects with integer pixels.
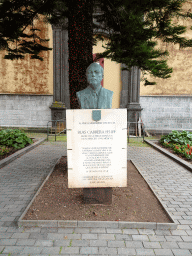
[
  {"x": 180, "y": 142},
  {"x": 14, "y": 138},
  {"x": 4, "y": 150}
]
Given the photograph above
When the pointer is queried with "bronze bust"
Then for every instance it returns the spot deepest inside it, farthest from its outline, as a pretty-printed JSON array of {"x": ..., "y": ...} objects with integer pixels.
[{"x": 95, "y": 96}]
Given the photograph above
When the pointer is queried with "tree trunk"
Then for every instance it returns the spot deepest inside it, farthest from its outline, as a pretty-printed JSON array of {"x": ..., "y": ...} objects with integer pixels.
[{"x": 80, "y": 31}]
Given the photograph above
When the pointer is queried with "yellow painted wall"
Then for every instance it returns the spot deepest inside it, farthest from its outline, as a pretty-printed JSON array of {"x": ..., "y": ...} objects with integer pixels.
[
  {"x": 29, "y": 76},
  {"x": 36, "y": 77},
  {"x": 180, "y": 82},
  {"x": 112, "y": 75}
]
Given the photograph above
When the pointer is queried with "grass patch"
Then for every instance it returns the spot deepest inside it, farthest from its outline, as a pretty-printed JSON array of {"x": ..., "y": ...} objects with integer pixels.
[
  {"x": 136, "y": 142},
  {"x": 36, "y": 135},
  {"x": 62, "y": 137},
  {"x": 133, "y": 142},
  {"x": 58, "y": 138},
  {"x": 157, "y": 137}
]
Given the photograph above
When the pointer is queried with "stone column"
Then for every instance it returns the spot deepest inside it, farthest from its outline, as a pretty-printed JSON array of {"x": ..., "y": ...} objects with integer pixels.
[
  {"x": 130, "y": 95},
  {"x": 124, "y": 91},
  {"x": 61, "y": 99}
]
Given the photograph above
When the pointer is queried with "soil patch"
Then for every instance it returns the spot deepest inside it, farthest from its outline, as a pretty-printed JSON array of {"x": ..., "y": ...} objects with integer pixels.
[
  {"x": 13, "y": 150},
  {"x": 135, "y": 203},
  {"x": 174, "y": 153}
]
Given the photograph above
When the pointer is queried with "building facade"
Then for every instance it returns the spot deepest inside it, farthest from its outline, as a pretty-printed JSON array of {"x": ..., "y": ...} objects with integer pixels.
[{"x": 28, "y": 87}]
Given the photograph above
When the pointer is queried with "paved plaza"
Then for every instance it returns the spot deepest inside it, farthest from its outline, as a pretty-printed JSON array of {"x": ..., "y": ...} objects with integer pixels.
[{"x": 20, "y": 180}]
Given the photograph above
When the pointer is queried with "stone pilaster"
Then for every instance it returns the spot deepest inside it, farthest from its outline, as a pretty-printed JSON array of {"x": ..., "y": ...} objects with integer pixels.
[
  {"x": 124, "y": 91},
  {"x": 130, "y": 95},
  {"x": 60, "y": 72}
]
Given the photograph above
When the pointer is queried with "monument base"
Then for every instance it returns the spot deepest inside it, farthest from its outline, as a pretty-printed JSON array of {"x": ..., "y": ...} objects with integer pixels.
[{"x": 97, "y": 195}]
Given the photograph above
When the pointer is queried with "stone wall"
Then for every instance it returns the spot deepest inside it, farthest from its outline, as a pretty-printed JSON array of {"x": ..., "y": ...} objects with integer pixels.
[
  {"x": 166, "y": 113},
  {"x": 160, "y": 113},
  {"x": 25, "y": 110}
]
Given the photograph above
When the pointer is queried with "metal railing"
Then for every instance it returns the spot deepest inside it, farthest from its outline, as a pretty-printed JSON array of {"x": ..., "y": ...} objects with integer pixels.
[
  {"x": 56, "y": 129},
  {"x": 138, "y": 128}
]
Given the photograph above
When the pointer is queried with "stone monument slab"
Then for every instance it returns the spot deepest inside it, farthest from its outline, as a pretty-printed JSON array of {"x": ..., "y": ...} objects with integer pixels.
[{"x": 97, "y": 150}]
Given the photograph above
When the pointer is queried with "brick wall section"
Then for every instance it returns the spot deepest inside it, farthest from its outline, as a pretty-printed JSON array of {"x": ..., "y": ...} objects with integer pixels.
[
  {"x": 25, "y": 110},
  {"x": 166, "y": 112}
]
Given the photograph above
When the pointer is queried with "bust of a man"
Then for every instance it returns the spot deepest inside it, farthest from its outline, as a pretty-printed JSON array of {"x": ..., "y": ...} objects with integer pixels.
[{"x": 95, "y": 96}]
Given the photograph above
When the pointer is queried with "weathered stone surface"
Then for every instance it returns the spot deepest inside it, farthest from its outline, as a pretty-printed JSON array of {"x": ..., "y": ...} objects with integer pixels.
[{"x": 96, "y": 150}]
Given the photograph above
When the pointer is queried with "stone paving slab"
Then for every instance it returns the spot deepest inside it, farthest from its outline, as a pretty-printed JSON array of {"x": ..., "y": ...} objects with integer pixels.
[
  {"x": 21, "y": 179},
  {"x": 170, "y": 155}
]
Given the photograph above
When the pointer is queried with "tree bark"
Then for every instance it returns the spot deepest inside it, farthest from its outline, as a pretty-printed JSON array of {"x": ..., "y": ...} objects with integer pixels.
[{"x": 80, "y": 31}]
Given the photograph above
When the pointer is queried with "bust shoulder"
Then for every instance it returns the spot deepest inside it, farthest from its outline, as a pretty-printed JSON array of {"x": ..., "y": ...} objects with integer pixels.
[
  {"x": 84, "y": 92},
  {"x": 106, "y": 91}
]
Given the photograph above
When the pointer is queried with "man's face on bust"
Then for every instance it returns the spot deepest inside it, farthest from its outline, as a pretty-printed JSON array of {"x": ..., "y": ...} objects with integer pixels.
[{"x": 94, "y": 76}]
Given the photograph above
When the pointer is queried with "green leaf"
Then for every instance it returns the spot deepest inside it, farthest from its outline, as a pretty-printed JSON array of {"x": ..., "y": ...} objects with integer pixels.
[{"x": 19, "y": 140}]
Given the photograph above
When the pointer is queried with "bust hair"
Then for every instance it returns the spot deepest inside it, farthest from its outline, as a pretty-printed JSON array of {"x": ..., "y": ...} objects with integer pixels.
[{"x": 100, "y": 67}]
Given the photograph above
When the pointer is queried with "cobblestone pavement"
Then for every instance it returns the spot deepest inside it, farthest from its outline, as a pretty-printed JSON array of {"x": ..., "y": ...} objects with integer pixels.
[{"x": 21, "y": 179}]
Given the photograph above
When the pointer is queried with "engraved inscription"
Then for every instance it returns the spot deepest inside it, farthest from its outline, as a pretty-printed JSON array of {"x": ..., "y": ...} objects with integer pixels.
[
  {"x": 97, "y": 150},
  {"x": 96, "y": 158}
]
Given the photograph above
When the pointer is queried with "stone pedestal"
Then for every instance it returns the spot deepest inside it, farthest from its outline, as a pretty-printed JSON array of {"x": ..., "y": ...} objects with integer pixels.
[
  {"x": 97, "y": 195},
  {"x": 58, "y": 111},
  {"x": 97, "y": 152}
]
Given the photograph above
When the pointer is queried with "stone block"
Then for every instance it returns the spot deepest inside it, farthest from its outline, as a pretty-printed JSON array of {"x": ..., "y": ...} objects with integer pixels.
[
  {"x": 88, "y": 250},
  {"x": 61, "y": 242},
  {"x": 67, "y": 224},
  {"x": 123, "y": 237},
  {"x": 98, "y": 230},
  {"x": 169, "y": 245},
  {"x": 43, "y": 242},
  {"x": 7, "y": 242},
  {"x": 140, "y": 237},
  {"x": 81, "y": 230},
  {"x": 147, "y": 252},
  {"x": 163, "y": 252},
  {"x": 106, "y": 250},
  {"x": 53, "y": 250},
  {"x": 106, "y": 237},
  {"x": 146, "y": 225},
  {"x": 52, "y": 236},
  {"x": 83, "y": 242},
  {"x": 166, "y": 226},
  {"x": 25, "y": 242},
  {"x": 114, "y": 231},
  {"x": 185, "y": 245},
  {"x": 73, "y": 236},
  {"x": 151, "y": 245},
  {"x": 97, "y": 195},
  {"x": 116, "y": 244},
  {"x": 89, "y": 236},
  {"x": 13, "y": 249},
  {"x": 98, "y": 243},
  {"x": 180, "y": 252}
]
